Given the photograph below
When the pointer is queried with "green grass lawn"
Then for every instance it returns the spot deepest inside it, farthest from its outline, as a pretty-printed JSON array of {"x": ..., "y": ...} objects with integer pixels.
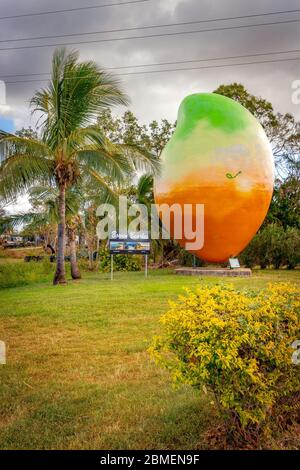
[{"x": 78, "y": 374}]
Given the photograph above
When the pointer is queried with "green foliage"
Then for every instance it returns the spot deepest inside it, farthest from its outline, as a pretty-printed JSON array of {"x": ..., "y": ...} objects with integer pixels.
[
  {"x": 237, "y": 346},
  {"x": 274, "y": 238},
  {"x": 285, "y": 205},
  {"x": 292, "y": 247},
  {"x": 249, "y": 256},
  {"x": 187, "y": 259},
  {"x": 128, "y": 130},
  {"x": 121, "y": 262},
  {"x": 22, "y": 274},
  {"x": 273, "y": 246}
]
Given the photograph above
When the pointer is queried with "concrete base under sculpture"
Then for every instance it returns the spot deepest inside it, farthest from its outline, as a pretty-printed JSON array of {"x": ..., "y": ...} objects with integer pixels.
[{"x": 216, "y": 272}]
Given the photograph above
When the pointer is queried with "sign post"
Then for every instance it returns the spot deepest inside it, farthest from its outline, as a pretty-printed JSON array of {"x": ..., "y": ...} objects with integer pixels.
[
  {"x": 126, "y": 246},
  {"x": 111, "y": 267}
]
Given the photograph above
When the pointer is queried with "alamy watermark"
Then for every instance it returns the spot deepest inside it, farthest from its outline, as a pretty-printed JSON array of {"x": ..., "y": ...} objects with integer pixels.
[
  {"x": 185, "y": 222},
  {"x": 296, "y": 92},
  {"x": 2, "y": 93}
]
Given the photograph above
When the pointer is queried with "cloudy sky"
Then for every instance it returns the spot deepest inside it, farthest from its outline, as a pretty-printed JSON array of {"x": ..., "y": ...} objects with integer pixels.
[{"x": 155, "y": 95}]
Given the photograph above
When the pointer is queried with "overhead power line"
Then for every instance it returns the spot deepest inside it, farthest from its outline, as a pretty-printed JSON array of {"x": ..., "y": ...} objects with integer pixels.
[
  {"x": 66, "y": 10},
  {"x": 209, "y": 66},
  {"x": 166, "y": 25},
  {"x": 178, "y": 33},
  {"x": 158, "y": 64},
  {"x": 175, "y": 69}
]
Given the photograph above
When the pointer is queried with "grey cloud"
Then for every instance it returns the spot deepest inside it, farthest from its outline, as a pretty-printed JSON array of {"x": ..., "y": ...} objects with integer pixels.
[{"x": 159, "y": 95}]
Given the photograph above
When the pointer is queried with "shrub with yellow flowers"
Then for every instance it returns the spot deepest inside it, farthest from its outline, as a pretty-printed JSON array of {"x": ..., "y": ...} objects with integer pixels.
[{"x": 237, "y": 345}]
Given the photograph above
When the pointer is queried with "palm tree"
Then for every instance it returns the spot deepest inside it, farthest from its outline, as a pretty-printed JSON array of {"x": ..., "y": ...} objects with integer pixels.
[
  {"x": 71, "y": 146},
  {"x": 44, "y": 218},
  {"x": 50, "y": 216}
]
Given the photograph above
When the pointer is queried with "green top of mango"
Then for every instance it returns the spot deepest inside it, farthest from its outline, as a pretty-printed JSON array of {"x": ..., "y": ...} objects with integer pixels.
[{"x": 221, "y": 113}]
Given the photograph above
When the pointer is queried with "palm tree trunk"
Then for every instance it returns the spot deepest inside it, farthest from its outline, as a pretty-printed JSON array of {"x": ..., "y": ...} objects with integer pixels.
[
  {"x": 91, "y": 261},
  {"x": 60, "y": 273},
  {"x": 90, "y": 248},
  {"x": 75, "y": 273},
  {"x": 46, "y": 240}
]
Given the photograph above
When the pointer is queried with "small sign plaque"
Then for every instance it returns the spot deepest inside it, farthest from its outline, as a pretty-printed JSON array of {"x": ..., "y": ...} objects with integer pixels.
[
  {"x": 129, "y": 246},
  {"x": 233, "y": 263}
]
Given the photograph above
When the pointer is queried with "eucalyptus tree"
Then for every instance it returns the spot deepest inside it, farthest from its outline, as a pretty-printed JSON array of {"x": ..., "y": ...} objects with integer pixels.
[
  {"x": 71, "y": 144},
  {"x": 127, "y": 129}
]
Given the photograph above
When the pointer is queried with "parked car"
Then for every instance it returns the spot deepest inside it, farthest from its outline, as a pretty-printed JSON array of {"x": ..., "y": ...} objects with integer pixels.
[{"x": 13, "y": 242}]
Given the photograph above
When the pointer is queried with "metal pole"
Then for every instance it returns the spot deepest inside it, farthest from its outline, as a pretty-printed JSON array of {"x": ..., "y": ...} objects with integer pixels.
[
  {"x": 111, "y": 267},
  {"x": 146, "y": 265}
]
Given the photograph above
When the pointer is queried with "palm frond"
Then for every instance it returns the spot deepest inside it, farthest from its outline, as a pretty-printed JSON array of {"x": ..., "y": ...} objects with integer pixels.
[
  {"x": 28, "y": 219},
  {"x": 24, "y": 145},
  {"x": 106, "y": 193},
  {"x": 116, "y": 167},
  {"x": 84, "y": 136},
  {"x": 77, "y": 93},
  {"x": 144, "y": 190},
  {"x": 19, "y": 172},
  {"x": 40, "y": 194},
  {"x": 48, "y": 199},
  {"x": 141, "y": 159},
  {"x": 91, "y": 147}
]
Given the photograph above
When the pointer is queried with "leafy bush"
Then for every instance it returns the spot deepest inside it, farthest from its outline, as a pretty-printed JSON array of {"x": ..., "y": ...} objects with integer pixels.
[
  {"x": 21, "y": 274},
  {"x": 187, "y": 259},
  {"x": 121, "y": 262},
  {"x": 274, "y": 239},
  {"x": 236, "y": 345},
  {"x": 261, "y": 248},
  {"x": 273, "y": 246},
  {"x": 292, "y": 247},
  {"x": 249, "y": 256}
]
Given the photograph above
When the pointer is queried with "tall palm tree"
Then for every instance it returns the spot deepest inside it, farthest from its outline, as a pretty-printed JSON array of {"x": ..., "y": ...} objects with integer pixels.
[{"x": 71, "y": 146}]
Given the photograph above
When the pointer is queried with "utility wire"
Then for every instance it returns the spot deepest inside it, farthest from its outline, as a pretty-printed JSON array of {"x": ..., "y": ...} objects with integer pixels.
[
  {"x": 71, "y": 9},
  {"x": 208, "y": 66},
  {"x": 185, "y": 23},
  {"x": 175, "y": 69},
  {"x": 157, "y": 64},
  {"x": 178, "y": 33}
]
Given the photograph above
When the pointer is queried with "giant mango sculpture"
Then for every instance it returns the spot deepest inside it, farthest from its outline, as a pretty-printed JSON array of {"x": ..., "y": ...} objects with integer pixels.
[{"x": 218, "y": 156}]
